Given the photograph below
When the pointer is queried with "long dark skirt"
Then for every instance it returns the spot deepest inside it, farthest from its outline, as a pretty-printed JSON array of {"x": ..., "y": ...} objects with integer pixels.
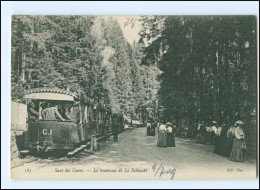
[
  {"x": 148, "y": 130},
  {"x": 228, "y": 146},
  {"x": 237, "y": 154},
  {"x": 218, "y": 146},
  {"x": 162, "y": 139},
  {"x": 151, "y": 131},
  {"x": 207, "y": 137},
  {"x": 170, "y": 140},
  {"x": 213, "y": 138},
  {"x": 221, "y": 145}
]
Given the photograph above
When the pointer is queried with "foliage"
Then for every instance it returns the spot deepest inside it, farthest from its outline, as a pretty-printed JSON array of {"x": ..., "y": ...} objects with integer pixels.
[
  {"x": 208, "y": 63},
  {"x": 81, "y": 53}
]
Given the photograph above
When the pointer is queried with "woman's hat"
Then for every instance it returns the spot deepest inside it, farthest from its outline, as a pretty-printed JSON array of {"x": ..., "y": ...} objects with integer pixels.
[
  {"x": 239, "y": 122},
  {"x": 169, "y": 124},
  {"x": 253, "y": 113}
]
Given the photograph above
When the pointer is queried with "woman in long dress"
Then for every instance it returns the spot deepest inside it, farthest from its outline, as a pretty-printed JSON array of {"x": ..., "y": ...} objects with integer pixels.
[
  {"x": 152, "y": 129},
  {"x": 148, "y": 129},
  {"x": 170, "y": 137},
  {"x": 207, "y": 134},
  {"x": 162, "y": 136},
  {"x": 221, "y": 139},
  {"x": 237, "y": 153},
  {"x": 230, "y": 140},
  {"x": 213, "y": 133}
]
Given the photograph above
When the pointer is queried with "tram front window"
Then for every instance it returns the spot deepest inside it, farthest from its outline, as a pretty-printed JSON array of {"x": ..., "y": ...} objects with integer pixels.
[{"x": 51, "y": 112}]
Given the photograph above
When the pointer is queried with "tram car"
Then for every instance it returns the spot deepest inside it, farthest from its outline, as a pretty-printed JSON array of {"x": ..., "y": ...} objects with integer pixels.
[{"x": 62, "y": 120}]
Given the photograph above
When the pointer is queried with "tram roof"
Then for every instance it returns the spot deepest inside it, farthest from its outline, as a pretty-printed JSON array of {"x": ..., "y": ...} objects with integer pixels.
[
  {"x": 56, "y": 94},
  {"x": 50, "y": 94}
]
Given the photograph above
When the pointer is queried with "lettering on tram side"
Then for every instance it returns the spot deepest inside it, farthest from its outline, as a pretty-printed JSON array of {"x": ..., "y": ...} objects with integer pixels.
[{"x": 47, "y": 132}]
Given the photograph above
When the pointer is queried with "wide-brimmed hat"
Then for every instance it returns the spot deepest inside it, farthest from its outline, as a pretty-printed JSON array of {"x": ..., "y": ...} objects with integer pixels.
[
  {"x": 253, "y": 113},
  {"x": 214, "y": 122},
  {"x": 239, "y": 122},
  {"x": 168, "y": 123}
]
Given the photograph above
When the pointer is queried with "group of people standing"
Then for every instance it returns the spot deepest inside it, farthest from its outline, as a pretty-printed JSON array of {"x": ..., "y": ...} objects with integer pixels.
[
  {"x": 231, "y": 142},
  {"x": 208, "y": 134},
  {"x": 165, "y": 136}
]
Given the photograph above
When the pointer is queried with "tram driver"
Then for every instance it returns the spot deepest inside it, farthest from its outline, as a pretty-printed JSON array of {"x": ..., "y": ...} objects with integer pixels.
[
  {"x": 68, "y": 112},
  {"x": 32, "y": 113},
  {"x": 72, "y": 112}
]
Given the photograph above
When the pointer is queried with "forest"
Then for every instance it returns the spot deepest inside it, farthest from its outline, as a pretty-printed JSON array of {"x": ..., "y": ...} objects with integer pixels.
[
  {"x": 208, "y": 64},
  {"x": 85, "y": 53},
  {"x": 184, "y": 69}
]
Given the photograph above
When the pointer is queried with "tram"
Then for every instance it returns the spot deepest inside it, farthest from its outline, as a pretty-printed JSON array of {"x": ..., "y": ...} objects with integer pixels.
[{"x": 77, "y": 118}]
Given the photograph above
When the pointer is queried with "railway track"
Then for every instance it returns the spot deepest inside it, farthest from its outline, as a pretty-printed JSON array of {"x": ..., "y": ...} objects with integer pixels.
[
  {"x": 48, "y": 161},
  {"x": 22, "y": 164}
]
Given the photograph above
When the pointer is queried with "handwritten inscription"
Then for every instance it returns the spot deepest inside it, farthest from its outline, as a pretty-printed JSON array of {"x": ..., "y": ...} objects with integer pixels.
[
  {"x": 130, "y": 21},
  {"x": 160, "y": 170}
]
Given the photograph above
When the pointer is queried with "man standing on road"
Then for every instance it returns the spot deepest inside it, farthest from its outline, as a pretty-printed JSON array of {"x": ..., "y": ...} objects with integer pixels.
[
  {"x": 202, "y": 132},
  {"x": 115, "y": 127}
]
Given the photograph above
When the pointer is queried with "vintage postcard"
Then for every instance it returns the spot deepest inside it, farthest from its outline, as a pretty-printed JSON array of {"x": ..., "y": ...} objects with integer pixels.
[{"x": 134, "y": 97}]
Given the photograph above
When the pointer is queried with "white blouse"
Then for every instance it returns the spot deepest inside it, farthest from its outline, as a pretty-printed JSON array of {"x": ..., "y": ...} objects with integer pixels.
[
  {"x": 219, "y": 131},
  {"x": 162, "y": 128},
  {"x": 169, "y": 129},
  {"x": 239, "y": 133},
  {"x": 214, "y": 129},
  {"x": 231, "y": 132}
]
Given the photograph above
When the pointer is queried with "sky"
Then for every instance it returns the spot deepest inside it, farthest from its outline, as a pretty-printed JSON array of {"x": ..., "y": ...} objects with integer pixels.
[{"x": 130, "y": 27}]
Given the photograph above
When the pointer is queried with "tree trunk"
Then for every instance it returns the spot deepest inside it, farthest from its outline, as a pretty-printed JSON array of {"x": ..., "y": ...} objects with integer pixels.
[{"x": 22, "y": 74}]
